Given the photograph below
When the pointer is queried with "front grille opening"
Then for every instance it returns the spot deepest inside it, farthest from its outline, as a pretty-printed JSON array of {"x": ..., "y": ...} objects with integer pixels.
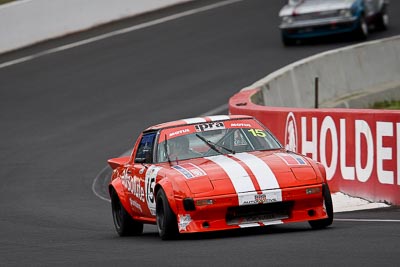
[{"x": 259, "y": 213}]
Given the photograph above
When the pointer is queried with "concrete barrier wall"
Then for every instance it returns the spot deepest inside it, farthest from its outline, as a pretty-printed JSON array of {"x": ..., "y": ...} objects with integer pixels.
[
  {"x": 343, "y": 74},
  {"x": 360, "y": 148},
  {"x": 27, "y": 22}
]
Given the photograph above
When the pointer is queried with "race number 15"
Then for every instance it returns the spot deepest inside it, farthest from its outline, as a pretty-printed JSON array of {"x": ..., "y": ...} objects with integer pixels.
[{"x": 257, "y": 132}]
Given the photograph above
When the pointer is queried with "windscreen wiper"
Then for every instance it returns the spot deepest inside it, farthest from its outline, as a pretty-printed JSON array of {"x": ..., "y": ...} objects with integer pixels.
[{"x": 214, "y": 146}]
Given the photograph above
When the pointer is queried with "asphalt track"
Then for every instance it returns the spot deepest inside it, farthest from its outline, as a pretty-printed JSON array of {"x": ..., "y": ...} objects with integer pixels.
[{"x": 65, "y": 113}]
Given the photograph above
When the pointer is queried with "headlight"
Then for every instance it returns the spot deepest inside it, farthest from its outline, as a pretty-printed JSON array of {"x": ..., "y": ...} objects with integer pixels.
[
  {"x": 287, "y": 19},
  {"x": 345, "y": 13}
]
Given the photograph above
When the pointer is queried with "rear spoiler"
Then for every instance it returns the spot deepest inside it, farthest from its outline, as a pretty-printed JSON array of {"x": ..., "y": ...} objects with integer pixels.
[{"x": 118, "y": 162}]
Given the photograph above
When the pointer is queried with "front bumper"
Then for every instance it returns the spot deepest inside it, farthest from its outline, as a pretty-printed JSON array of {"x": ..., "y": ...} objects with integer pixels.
[
  {"x": 296, "y": 206},
  {"x": 319, "y": 27}
]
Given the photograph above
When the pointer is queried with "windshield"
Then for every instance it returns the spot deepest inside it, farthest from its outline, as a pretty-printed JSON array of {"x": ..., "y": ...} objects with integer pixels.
[{"x": 210, "y": 139}]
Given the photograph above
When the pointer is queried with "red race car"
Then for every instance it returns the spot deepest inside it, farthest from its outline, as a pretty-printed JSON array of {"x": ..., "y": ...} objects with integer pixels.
[{"x": 215, "y": 173}]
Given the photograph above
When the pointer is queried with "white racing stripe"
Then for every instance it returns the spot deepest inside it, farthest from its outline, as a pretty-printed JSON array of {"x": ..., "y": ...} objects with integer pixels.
[
  {"x": 263, "y": 173},
  {"x": 219, "y": 117},
  {"x": 212, "y": 118},
  {"x": 265, "y": 177},
  {"x": 239, "y": 177},
  {"x": 242, "y": 181},
  {"x": 194, "y": 120}
]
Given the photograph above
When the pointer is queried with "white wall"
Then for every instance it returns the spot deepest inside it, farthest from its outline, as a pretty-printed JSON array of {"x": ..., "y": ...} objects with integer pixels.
[{"x": 26, "y": 22}]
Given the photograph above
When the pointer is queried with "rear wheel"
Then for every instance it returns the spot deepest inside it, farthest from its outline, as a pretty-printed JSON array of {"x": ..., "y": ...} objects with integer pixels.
[
  {"x": 383, "y": 20},
  {"x": 323, "y": 223},
  {"x": 123, "y": 222},
  {"x": 166, "y": 219}
]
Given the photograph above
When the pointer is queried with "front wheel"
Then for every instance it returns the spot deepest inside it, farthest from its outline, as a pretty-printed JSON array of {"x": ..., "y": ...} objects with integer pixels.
[
  {"x": 328, "y": 205},
  {"x": 123, "y": 222},
  {"x": 166, "y": 219},
  {"x": 362, "y": 29},
  {"x": 383, "y": 20},
  {"x": 288, "y": 41}
]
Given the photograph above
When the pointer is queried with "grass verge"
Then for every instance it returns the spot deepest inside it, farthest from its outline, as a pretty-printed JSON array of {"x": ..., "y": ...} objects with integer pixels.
[
  {"x": 394, "y": 104},
  {"x": 5, "y": 1}
]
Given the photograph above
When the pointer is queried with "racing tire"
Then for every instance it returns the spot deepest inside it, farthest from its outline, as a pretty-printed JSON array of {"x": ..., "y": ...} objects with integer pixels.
[
  {"x": 362, "y": 29},
  {"x": 323, "y": 223},
  {"x": 288, "y": 41},
  {"x": 123, "y": 222},
  {"x": 383, "y": 20},
  {"x": 166, "y": 219}
]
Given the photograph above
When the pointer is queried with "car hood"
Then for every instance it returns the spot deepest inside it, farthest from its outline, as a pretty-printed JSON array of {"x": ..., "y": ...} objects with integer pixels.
[
  {"x": 246, "y": 172},
  {"x": 313, "y": 6}
]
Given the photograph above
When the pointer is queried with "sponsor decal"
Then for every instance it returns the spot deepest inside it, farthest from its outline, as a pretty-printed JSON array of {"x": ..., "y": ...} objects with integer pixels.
[
  {"x": 184, "y": 221},
  {"x": 291, "y": 133},
  {"x": 142, "y": 190},
  {"x": 133, "y": 185},
  {"x": 135, "y": 204},
  {"x": 292, "y": 159},
  {"x": 189, "y": 170},
  {"x": 209, "y": 126},
  {"x": 260, "y": 198},
  {"x": 241, "y": 125},
  {"x": 263, "y": 198},
  {"x": 180, "y": 132}
]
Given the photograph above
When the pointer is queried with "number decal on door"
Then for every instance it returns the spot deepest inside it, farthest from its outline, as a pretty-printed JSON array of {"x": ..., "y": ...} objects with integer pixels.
[{"x": 150, "y": 183}]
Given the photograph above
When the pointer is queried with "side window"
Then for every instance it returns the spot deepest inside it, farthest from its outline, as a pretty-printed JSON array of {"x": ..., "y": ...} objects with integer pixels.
[{"x": 145, "y": 149}]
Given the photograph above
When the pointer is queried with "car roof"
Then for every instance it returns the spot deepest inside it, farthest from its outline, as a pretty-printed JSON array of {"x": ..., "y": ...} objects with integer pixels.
[{"x": 197, "y": 120}]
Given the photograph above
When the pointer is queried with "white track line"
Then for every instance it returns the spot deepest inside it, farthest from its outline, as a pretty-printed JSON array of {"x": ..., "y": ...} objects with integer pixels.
[
  {"x": 95, "y": 182},
  {"x": 367, "y": 220},
  {"x": 119, "y": 32}
]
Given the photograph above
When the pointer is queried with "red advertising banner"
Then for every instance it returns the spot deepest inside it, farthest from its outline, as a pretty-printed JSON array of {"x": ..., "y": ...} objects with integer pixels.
[{"x": 360, "y": 148}]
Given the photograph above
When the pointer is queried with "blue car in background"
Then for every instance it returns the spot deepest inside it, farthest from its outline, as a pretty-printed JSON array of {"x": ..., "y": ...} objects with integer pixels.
[{"x": 302, "y": 19}]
